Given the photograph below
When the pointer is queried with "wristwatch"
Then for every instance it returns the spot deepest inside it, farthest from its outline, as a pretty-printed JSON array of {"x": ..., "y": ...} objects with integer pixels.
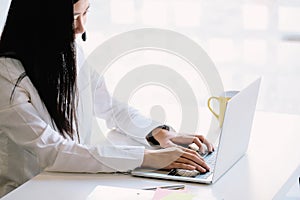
[{"x": 150, "y": 137}]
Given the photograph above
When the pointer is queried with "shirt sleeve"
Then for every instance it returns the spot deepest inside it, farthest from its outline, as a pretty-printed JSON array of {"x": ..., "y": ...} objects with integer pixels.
[
  {"x": 26, "y": 127},
  {"x": 56, "y": 153}
]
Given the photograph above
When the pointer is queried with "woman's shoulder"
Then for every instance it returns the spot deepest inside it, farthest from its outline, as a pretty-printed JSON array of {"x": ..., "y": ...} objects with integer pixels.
[{"x": 10, "y": 68}]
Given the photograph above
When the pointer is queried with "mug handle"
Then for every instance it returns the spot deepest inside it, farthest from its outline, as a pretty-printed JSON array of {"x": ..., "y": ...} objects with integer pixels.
[{"x": 210, "y": 108}]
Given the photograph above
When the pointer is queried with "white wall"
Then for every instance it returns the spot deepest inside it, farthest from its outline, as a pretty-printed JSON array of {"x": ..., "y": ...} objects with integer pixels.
[{"x": 245, "y": 39}]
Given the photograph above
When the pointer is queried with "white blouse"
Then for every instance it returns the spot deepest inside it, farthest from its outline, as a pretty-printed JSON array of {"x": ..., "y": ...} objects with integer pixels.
[{"x": 30, "y": 143}]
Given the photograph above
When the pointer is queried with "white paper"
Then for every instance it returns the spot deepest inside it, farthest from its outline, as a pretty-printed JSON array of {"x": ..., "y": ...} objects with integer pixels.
[{"x": 117, "y": 193}]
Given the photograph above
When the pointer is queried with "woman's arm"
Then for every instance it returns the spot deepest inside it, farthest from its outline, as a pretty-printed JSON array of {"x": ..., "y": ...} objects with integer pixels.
[
  {"x": 26, "y": 125},
  {"x": 22, "y": 125}
]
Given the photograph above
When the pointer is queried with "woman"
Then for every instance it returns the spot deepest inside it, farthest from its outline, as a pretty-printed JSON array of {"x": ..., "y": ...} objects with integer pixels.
[{"x": 48, "y": 105}]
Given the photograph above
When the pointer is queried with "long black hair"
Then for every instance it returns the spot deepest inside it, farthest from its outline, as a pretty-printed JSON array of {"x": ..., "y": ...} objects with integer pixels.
[{"x": 41, "y": 35}]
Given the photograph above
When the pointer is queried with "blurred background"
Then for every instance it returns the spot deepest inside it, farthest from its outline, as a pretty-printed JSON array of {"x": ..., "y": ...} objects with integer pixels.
[{"x": 245, "y": 39}]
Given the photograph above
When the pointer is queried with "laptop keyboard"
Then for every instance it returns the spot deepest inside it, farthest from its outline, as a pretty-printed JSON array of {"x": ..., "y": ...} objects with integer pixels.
[{"x": 210, "y": 159}]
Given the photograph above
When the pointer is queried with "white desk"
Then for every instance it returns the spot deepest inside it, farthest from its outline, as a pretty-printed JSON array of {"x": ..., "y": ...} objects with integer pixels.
[{"x": 272, "y": 157}]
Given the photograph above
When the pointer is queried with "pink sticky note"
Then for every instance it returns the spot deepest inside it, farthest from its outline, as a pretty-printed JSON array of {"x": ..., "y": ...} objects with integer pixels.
[{"x": 165, "y": 194}]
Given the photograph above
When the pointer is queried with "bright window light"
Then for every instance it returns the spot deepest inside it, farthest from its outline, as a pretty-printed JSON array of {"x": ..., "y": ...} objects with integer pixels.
[
  {"x": 187, "y": 13},
  {"x": 222, "y": 50},
  {"x": 122, "y": 12},
  {"x": 289, "y": 19},
  {"x": 288, "y": 53},
  {"x": 255, "y": 51},
  {"x": 3, "y": 13},
  {"x": 154, "y": 13},
  {"x": 255, "y": 17}
]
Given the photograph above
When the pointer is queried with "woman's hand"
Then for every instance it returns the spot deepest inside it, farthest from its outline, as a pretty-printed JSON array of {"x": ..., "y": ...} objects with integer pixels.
[
  {"x": 170, "y": 139},
  {"x": 174, "y": 157}
]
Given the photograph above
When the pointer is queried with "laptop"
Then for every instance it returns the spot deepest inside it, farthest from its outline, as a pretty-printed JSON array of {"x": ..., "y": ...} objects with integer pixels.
[{"x": 232, "y": 142}]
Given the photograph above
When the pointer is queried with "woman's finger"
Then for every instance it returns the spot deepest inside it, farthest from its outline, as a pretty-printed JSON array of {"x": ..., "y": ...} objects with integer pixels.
[
  {"x": 200, "y": 140},
  {"x": 179, "y": 165},
  {"x": 200, "y": 163},
  {"x": 209, "y": 146},
  {"x": 189, "y": 162}
]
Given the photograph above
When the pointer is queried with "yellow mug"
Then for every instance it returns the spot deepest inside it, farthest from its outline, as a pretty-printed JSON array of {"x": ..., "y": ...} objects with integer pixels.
[{"x": 222, "y": 100}]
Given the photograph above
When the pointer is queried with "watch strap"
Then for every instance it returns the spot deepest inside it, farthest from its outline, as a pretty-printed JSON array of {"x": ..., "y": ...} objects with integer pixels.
[{"x": 150, "y": 138}]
